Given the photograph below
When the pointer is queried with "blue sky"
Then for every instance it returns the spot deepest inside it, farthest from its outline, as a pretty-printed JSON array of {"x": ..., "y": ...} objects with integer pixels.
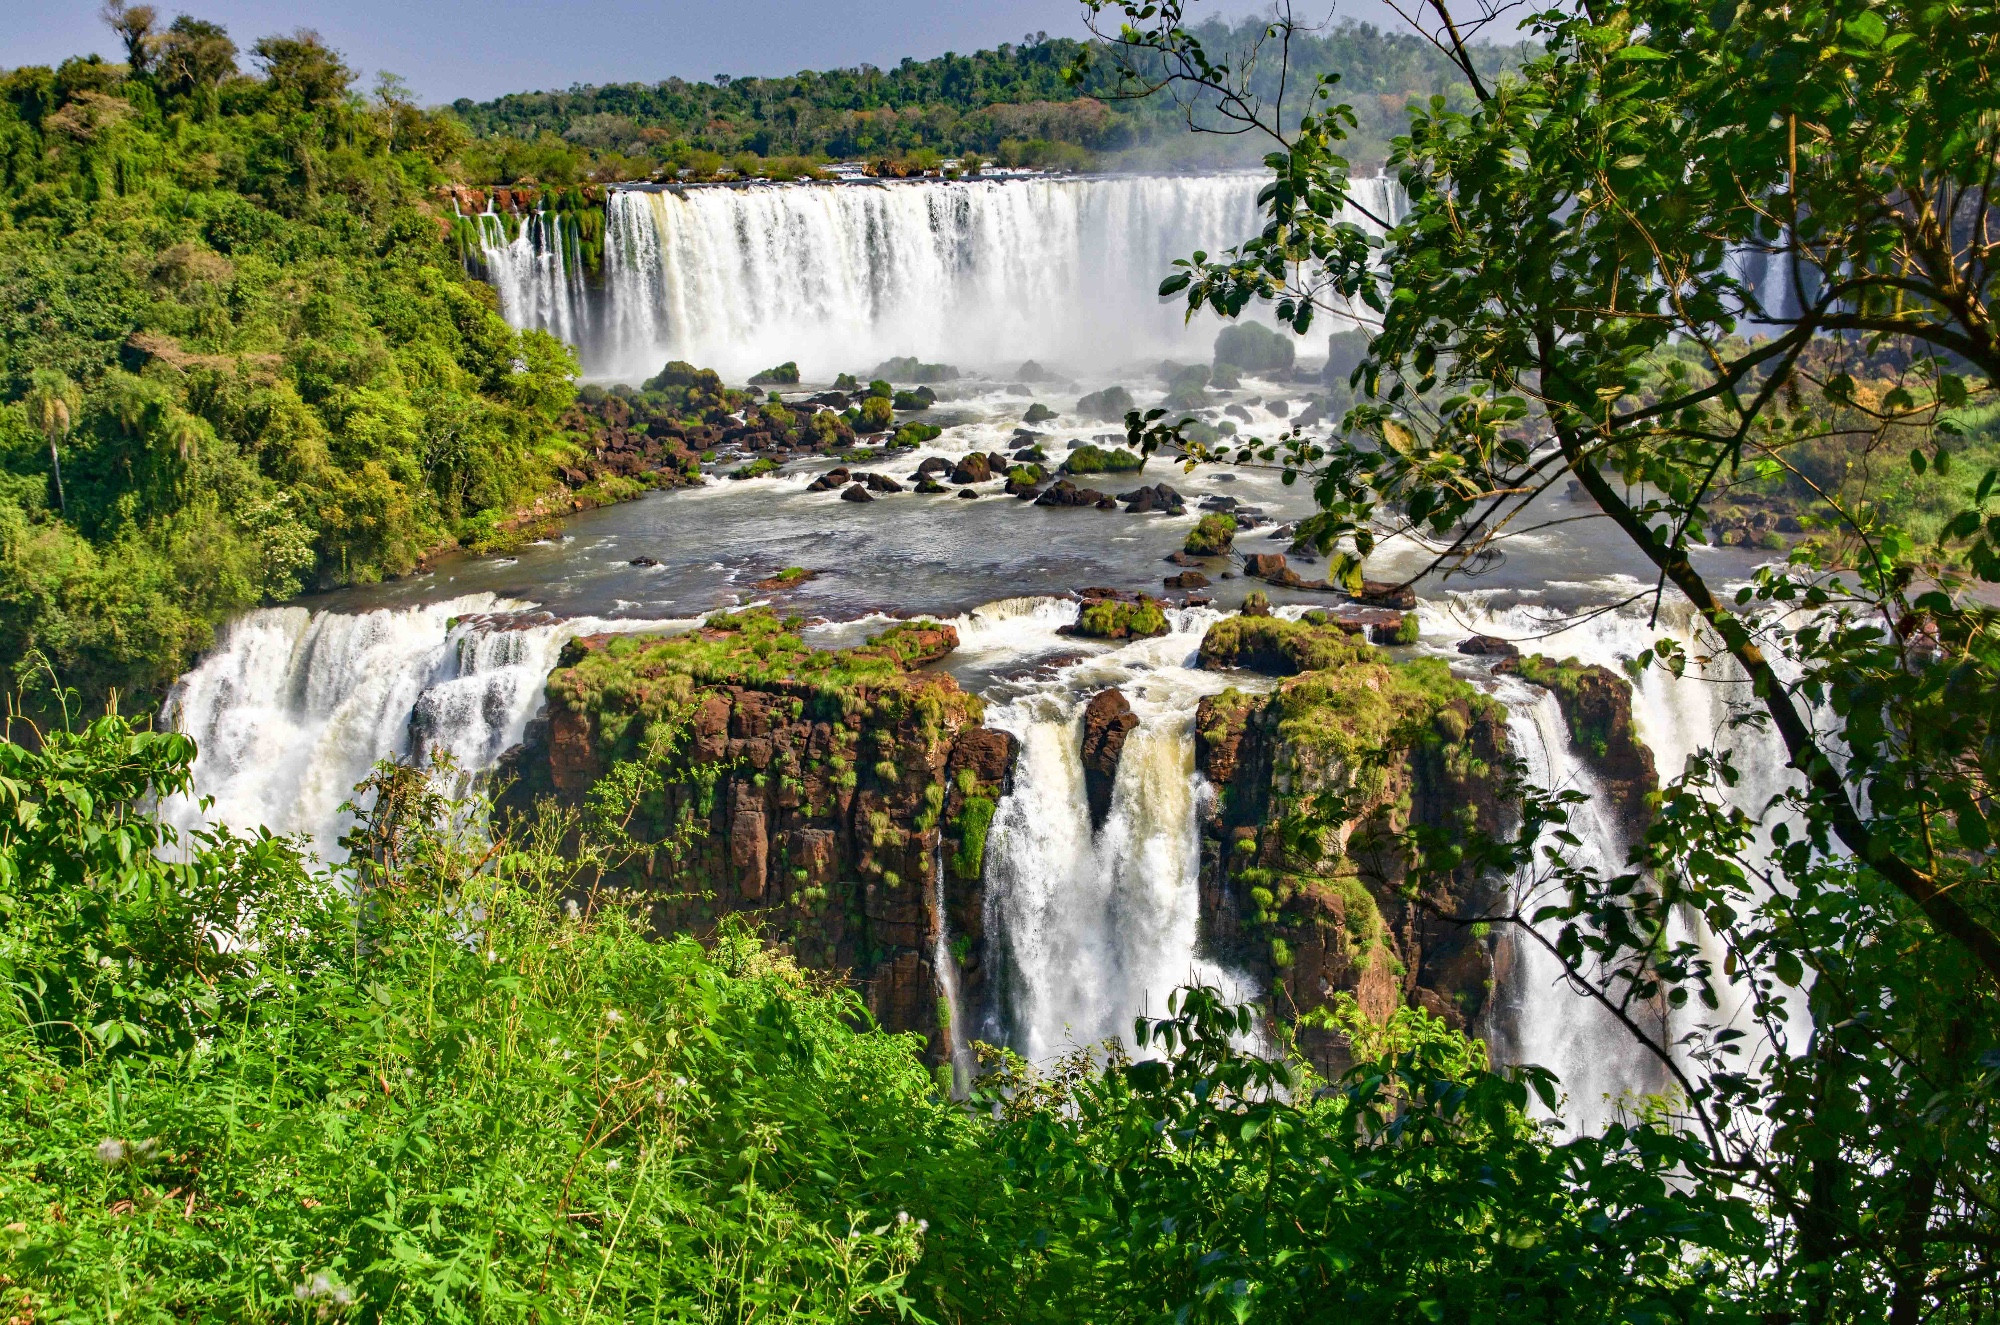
[{"x": 447, "y": 50}]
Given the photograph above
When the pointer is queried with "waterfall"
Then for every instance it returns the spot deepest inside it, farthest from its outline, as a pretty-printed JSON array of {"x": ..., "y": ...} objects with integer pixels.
[
  {"x": 1537, "y": 1017},
  {"x": 838, "y": 277},
  {"x": 292, "y": 707},
  {"x": 540, "y": 286},
  {"x": 1095, "y": 928},
  {"x": 1672, "y": 716},
  {"x": 944, "y": 964}
]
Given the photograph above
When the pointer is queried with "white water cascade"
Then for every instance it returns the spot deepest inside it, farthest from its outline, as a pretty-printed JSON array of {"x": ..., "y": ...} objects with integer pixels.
[
  {"x": 838, "y": 277},
  {"x": 944, "y": 966},
  {"x": 1543, "y": 1020},
  {"x": 1097, "y": 927},
  {"x": 292, "y": 708},
  {"x": 539, "y": 285},
  {"x": 1537, "y": 1016}
]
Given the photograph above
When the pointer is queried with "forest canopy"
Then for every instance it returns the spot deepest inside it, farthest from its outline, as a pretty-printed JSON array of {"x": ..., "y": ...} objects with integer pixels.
[{"x": 1041, "y": 102}]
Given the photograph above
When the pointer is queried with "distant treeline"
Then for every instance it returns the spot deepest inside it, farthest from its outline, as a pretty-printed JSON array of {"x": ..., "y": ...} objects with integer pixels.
[{"x": 1013, "y": 104}]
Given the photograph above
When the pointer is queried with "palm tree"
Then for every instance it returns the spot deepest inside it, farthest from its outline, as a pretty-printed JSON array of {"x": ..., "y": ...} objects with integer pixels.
[{"x": 52, "y": 402}]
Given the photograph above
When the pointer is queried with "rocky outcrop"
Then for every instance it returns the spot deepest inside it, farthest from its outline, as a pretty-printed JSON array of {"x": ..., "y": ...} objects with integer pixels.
[
  {"x": 815, "y": 793},
  {"x": 1327, "y": 783},
  {"x": 1597, "y": 706},
  {"x": 1107, "y": 720},
  {"x": 1160, "y": 497}
]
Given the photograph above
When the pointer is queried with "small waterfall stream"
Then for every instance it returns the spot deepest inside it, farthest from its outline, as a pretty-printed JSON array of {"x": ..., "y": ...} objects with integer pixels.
[
  {"x": 539, "y": 284},
  {"x": 1098, "y": 926},
  {"x": 944, "y": 966}
]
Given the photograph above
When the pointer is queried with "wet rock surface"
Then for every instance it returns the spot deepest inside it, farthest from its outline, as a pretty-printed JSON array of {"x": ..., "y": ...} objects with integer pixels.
[{"x": 1107, "y": 720}]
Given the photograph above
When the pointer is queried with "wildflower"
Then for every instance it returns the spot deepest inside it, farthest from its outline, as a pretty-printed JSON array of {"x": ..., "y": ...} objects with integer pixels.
[
  {"x": 111, "y": 1153},
  {"x": 321, "y": 1289},
  {"x": 492, "y": 956},
  {"x": 902, "y": 1216},
  {"x": 923, "y": 1226},
  {"x": 612, "y": 1165},
  {"x": 613, "y": 1015},
  {"x": 571, "y": 907}
]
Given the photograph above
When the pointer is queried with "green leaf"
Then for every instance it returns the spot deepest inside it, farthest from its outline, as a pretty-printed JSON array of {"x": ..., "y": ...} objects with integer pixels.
[{"x": 1868, "y": 28}]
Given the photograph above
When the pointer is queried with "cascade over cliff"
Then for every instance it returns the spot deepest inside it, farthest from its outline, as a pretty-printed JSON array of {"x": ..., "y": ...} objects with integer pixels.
[
  {"x": 815, "y": 792},
  {"x": 1368, "y": 748},
  {"x": 1596, "y": 703}
]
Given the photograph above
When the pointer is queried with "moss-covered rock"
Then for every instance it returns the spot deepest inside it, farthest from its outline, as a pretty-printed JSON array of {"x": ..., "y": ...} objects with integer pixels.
[
  {"x": 785, "y": 374},
  {"x": 877, "y": 414},
  {"x": 815, "y": 791},
  {"x": 1117, "y": 619},
  {"x": 1103, "y": 460},
  {"x": 1255, "y": 348},
  {"x": 1108, "y": 406},
  {"x": 1278, "y": 647},
  {"x": 1597, "y": 707},
  {"x": 1319, "y": 780},
  {"x": 1211, "y": 536}
]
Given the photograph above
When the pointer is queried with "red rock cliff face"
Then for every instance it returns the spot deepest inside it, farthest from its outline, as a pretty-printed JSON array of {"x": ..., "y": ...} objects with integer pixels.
[{"x": 822, "y": 809}]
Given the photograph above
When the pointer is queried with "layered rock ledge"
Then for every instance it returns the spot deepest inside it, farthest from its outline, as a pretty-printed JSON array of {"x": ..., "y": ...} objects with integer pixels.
[{"x": 817, "y": 793}]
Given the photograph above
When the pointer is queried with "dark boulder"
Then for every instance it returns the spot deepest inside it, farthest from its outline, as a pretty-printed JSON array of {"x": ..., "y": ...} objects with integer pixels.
[
  {"x": 1065, "y": 493},
  {"x": 880, "y": 483},
  {"x": 1107, "y": 721},
  {"x": 1381, "y": 593},
  {"x": 1187, "y": 579},
  {"x": 930, "y": 486},
  {"x": 1110, "y": 404},
  {"x": 1488, "y": 646},
  {"x": 642, "y": 561},
  {"x": 1159, "y": 497},
  {"x": 936, "y": 464},
  {"x": 972, "y": 468},
  {"x": 855, "y": 492}
]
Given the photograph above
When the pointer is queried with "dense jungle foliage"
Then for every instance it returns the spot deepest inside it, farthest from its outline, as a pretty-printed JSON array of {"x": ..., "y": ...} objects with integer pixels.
[
  {"x": 1028, "y": 104},
  {"x": 237, "y": 356}
]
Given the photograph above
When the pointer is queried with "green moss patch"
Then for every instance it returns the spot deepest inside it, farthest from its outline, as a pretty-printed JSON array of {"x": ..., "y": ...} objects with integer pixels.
[
  {"x": 1211, "y": 536},
  {"x": 1114, "y": 619}
]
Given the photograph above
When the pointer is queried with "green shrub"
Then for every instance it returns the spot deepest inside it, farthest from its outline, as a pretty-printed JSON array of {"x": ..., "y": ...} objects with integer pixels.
[
  {"x": 876, "y": 415},
  {"x": 785, "y": 374},
  {"x": 1113, "y": 619}
]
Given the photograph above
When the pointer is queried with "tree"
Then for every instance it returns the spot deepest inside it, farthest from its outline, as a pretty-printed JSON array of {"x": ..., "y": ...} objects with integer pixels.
[
  {"x": 52, "y": 402},
  {"x": 195, "y": 56},
  {"x": 134, "y": 26},
  {"x": 1686, "y": 255},
  {"x": 303, "y": 66}
]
